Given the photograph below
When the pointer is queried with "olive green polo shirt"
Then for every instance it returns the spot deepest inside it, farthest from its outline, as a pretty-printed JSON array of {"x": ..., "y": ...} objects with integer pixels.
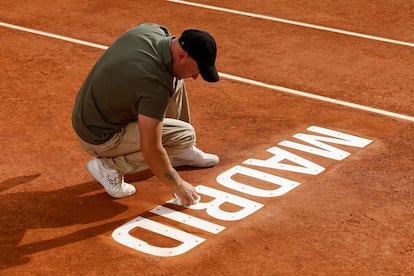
[{"x": 133, "y": 76}]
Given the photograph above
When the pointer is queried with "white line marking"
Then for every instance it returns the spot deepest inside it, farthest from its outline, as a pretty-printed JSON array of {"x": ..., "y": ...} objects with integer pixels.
[
  {"x": 53, "y": 35},
  {"x": 297, "y": 23},
  {"x": 235, "y": 78},
  {"x": 317, "y": 97}
]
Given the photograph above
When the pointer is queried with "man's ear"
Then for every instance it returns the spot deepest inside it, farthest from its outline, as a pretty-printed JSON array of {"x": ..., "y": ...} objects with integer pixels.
[{"x": 182, "y": 57}]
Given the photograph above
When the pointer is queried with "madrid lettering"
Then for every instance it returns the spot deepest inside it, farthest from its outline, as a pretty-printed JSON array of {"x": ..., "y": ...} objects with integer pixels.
[{"x": 278, "y": 186}]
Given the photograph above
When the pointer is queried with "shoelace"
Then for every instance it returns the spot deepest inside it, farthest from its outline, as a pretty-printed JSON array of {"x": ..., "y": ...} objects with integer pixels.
[
  {"x": 112, "y": 181},
  {"x": 114, "y": 178},
  {"x": 197, "y": 151}
]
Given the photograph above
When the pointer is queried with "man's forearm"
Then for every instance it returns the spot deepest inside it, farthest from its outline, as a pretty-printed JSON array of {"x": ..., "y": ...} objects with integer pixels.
[
  {"x": 157, "y": 158},
  {"x": 161, "y": 167}
]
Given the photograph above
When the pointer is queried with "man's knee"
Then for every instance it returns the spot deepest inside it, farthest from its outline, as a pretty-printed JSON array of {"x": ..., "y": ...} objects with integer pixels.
[{"x": 177, "y": 133}]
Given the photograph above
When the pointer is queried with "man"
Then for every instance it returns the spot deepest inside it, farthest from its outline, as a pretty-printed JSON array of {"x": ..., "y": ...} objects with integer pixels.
[{"x": 132, "y": 112}]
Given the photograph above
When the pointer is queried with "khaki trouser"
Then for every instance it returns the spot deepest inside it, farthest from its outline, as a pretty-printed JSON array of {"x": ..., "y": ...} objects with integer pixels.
[{"x": 123, "y": 151}]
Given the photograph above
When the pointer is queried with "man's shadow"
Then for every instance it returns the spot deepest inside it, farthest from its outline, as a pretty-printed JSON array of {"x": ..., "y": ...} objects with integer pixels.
[{"x": 79, "y": 204}]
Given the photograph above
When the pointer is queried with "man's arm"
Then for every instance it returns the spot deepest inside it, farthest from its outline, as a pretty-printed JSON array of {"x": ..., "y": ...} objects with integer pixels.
[{"x": 150, "y": 130}]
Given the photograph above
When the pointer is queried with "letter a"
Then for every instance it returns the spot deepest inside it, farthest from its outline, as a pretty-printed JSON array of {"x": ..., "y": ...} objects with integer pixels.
[{"x": 274, "y": 162}]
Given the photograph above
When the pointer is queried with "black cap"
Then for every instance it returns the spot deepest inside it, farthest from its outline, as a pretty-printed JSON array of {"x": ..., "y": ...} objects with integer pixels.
[{"x": 201, "y": 47}]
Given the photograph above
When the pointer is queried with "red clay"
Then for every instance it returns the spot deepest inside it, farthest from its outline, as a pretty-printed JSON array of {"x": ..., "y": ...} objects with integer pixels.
[{"x": 354, "y": 218}]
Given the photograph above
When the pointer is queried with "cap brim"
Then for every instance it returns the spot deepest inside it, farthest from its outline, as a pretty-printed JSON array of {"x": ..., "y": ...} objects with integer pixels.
[{"x": 209, "y": 73}]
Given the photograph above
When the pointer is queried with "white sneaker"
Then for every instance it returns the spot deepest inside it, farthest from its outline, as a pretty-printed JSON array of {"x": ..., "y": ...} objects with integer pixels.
[
  {"x": 194, "y": 157},
  {"x": 110, "y": 179}
]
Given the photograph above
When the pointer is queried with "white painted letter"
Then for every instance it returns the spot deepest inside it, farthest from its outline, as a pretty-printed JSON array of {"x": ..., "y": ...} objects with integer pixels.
[
  {"x": 324, "y": 149},
  {"x": 189, "y": 241},
  {"x": 307, "y": 167},
  {"x": 285, "y": 185},
  {"x": 220, "y": 197},
  {"x": 187, "y": 219},
  {"x": 344, "y": 139}
]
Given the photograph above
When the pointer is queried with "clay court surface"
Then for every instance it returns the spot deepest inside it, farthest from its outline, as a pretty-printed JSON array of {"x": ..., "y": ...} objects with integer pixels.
[{"x": 355, "y": 216}]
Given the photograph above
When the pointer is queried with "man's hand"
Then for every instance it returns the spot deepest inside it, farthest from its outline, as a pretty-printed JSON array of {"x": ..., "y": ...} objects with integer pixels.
[{"x": 187, "y": 193}]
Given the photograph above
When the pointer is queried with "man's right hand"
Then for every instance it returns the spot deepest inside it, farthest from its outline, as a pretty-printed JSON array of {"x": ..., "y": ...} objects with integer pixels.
[{"x": 187, "y": 193}]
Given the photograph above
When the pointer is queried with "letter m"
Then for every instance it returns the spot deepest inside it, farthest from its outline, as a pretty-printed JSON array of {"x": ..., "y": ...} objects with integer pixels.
[{"x": 322, "y": 149}]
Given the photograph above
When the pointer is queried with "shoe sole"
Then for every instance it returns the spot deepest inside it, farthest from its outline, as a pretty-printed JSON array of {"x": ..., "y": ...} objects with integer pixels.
[{"x": 185, "y": 163}]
